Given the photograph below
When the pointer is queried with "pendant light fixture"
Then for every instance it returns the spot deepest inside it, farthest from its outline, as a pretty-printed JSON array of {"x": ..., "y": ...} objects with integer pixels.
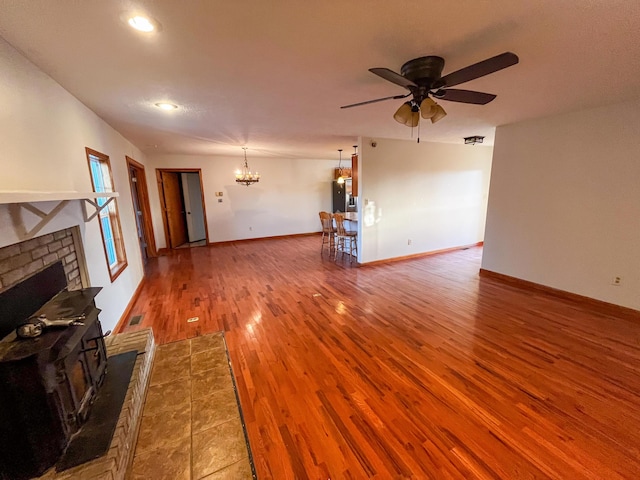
[
  {"x": 245, "y": 176},
  {"x": 340, "y": 176}
]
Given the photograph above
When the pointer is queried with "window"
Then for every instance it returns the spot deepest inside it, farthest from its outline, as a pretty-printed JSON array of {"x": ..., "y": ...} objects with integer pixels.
[{"x": 100, "y": 170}]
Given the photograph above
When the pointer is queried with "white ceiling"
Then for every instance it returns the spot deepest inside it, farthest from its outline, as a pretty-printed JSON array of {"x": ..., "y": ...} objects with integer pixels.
[{"x": 272, "y": 74}]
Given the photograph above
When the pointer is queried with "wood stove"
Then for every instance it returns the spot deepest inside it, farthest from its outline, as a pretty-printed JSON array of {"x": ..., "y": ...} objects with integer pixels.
[{"x": 47, "y": 383}]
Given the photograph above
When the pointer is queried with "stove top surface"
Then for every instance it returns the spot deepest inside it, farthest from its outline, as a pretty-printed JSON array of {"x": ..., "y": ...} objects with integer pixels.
[{"x": 64, "y": 304}]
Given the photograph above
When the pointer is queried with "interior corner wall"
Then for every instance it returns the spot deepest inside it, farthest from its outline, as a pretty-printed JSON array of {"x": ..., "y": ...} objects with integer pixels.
[
  {"x": 286, "y": 201},
  {"x": 420, "y": 197},
  {"x": 44, "y": 134},
  {"x": 564, "y": 205}
]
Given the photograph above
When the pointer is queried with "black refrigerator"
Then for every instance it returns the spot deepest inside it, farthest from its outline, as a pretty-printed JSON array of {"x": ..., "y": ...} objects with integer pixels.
[
  {"x": 339, "y": 197},
  {"x": 342, "y": 200}
]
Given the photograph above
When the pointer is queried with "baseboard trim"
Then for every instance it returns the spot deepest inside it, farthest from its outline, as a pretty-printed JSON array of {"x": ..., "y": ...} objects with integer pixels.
[
  {"x": 599, "y": 306},
  {"x": 122, "y": 323},
  {"x": 163, "y": 251},
  {"x": 242, "y": 240},
  {"x": 420, "y": 255}
]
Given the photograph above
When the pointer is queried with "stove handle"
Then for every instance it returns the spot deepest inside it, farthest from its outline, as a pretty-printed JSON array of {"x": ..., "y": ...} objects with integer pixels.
[{"x": 96, "y": 347}]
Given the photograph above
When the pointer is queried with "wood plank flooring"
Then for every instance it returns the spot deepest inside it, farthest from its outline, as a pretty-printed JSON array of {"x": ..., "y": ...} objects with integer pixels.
[{"x": 417, "y": 369}]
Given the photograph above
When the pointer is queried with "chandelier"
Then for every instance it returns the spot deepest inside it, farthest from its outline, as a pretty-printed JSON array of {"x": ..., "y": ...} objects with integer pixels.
[{"x": 245, "y": 176}]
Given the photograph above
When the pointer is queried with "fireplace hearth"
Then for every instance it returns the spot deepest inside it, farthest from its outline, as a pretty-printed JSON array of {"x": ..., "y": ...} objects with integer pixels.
[{"x": 47, "y": 383}]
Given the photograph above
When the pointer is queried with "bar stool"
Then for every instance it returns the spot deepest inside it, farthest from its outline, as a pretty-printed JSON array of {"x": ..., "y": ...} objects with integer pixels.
[
  {"x": 346, "y": 240},
  {"x": 328, "y": 232}
]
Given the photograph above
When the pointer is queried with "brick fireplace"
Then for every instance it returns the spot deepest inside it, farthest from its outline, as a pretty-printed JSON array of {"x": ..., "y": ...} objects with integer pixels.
[
  {"x": 49, "y": 382},
  {"x": 20, "y": 260},
  {"x": 30, "y": 262}
]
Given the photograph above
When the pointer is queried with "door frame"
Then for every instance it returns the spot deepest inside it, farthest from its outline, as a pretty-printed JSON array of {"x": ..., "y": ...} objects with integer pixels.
[
  {"x": 163, "y": 207},
  {"x": 143, "y": 200}
]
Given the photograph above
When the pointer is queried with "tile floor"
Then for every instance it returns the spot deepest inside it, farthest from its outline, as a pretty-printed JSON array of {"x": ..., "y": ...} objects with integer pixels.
[{"x": 191, "y": 426}]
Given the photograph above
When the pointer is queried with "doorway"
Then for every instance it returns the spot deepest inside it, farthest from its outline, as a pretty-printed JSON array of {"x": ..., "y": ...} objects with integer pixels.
[
  {"x": 141, "y": 209},
  {"x": 182, "y": 204}
]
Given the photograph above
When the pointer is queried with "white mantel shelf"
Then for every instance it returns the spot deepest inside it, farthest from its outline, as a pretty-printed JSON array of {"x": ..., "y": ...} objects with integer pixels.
[
  {"x": 33, "y": 197},
  {"x": 18, "y": 200}
]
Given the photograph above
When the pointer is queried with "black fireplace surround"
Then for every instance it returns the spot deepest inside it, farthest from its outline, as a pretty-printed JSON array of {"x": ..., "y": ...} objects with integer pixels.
[{"x": 47, "y": 383}]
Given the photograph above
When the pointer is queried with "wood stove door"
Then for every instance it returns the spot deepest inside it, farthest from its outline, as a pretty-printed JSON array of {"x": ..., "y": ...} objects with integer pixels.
[
  {"x": 84, "y": 369},
  {"x": 73, "y": 390}
]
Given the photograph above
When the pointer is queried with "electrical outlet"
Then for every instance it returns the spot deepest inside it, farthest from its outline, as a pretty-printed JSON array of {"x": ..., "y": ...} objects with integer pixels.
[
  {"x": 617, "y": 281},
  {"x": 409, "y": 242}
]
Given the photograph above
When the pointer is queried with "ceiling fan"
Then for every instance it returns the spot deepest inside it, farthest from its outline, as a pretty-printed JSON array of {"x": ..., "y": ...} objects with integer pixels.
[{"x": 422, "y": 77}]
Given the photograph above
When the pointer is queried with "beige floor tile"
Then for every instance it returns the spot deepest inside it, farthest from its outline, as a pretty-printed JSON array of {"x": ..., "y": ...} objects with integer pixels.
[
  {"x": 170, "y": 462},
  {"x": 207, "y": 342},
  {"x": 214, "y": 409},
  {"x": 191, "y": 422},
  {"x": 167, "y": 360},
  {"x": 167, "y": 396},
  {"x": 164, "y": 428},
  {"x": 217, "y": 447},
  {"x": 173, "y": 350},
  {"x": 210, "y": 381},
  {"x": 238, "y": 471},
  {"x": 208, "y": 359},
  {"x": 165, "y": 372}
]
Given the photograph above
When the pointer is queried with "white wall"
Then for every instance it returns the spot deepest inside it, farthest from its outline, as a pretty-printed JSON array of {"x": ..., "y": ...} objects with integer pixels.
[
  {"x": 564, "y": 207},
  {"x": 433, "y": 194},
  {"x": 44, "y": 134},
  {"x": 286, "y": 201}
]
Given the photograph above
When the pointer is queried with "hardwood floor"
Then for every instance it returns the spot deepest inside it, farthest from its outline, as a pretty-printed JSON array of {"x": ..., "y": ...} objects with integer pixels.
[{"x": 418, "y": 369}]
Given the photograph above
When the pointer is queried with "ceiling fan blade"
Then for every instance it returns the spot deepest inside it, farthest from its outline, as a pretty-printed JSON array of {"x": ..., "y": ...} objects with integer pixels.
[
  {"x": 464, "y": 96},
  {"x": 395, "y": 97},
  {"x": 393, "y": 77},
  {"x": 478, "y": 70}
]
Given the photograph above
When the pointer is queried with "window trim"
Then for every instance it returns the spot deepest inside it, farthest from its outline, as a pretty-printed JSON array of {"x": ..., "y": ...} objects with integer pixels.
[{"x": 118, "y": 237}]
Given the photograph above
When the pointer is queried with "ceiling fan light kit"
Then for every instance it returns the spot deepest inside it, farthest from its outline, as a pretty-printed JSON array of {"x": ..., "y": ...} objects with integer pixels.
[
  {"x": 408, "y": 114},
  {"x": 403, "y": 113},
  {"x": 423, "y": 78},
  {"x": 428, "y": 108},
  {"x": 439, "y": 114}
]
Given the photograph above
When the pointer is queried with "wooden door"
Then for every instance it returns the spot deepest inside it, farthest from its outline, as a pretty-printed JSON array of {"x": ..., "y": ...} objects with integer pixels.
[
  {"x": 174, "y": 209},
  {"x": 140, "y": 196},
  {"x": 137, "y": 210}
]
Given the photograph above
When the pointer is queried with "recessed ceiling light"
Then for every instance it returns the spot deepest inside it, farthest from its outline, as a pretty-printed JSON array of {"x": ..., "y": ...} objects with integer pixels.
[
  {"x": 166, "y": 106},
  {"x": 143, "y": 24}
]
